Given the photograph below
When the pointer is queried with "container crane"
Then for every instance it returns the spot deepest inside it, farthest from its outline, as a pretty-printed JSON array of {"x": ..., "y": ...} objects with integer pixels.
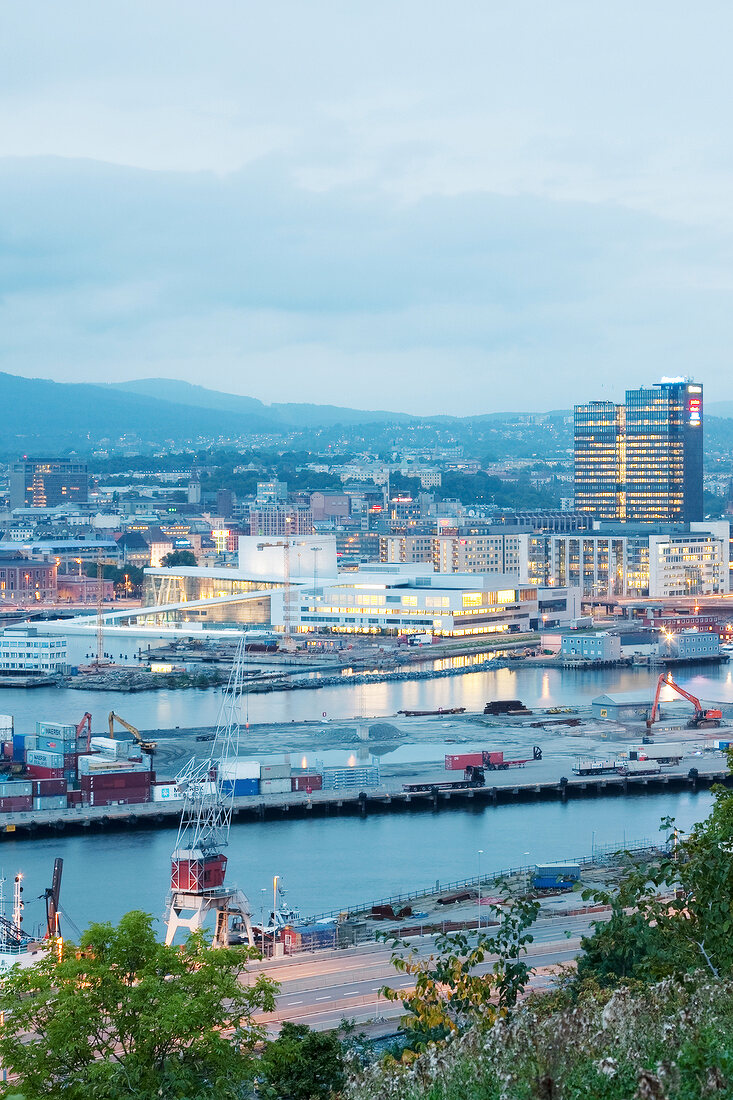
[
  {"x": 147, "y": 746},
  {"x": 198, "y": 864},
  {"x": 701, "y": 719}
]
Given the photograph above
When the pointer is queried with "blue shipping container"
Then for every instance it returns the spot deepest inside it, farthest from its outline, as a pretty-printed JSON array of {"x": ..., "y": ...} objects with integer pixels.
[
  {"x": 18, "y": 746},
  {"x": 241, "y": 786},
  {"x": 552, "y": 883}
]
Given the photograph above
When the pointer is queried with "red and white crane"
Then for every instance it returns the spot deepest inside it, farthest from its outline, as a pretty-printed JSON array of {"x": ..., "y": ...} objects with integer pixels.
[{"x": 198, "y": 866}]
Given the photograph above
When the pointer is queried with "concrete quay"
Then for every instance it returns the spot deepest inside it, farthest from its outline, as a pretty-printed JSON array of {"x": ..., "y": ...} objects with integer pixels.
[{"x": 501, "y": 789}]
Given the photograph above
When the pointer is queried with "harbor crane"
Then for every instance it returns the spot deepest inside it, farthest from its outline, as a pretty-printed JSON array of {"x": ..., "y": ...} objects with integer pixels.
[
  {"x": 52, "y": 897},
  {"x": 198, "y": 864},
  {"x": 86, "y": 722},
  {"x": 147, "y": 746},
  {"x": 702, "y": 718}
]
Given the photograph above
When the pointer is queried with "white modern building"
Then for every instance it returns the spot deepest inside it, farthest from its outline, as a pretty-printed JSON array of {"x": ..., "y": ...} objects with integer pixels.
[
  {"x": 404, "y": 599},
  {"x": 616, "y": 560},
  {"x": 23, "y": 649}
]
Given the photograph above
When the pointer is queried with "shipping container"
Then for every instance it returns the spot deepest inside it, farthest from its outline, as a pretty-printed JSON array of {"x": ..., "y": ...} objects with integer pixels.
[
  {"x": 45, "y": 759},
  {"x": 198, "y": 874},
  {"x": 241, "y": 769},
  {"x": 16, "y": 805},
  {"x": 275, "y": 786},
  {"x": 306, "y": 783},
  {"x": 104, "y": 765},
  {"x": 549, "y": 883},
  {"x": 275, "y": 771},
  {"x": 464, "y": 760},
  {"x": 62, "y": 731},
  {"x": 110, "y": 746},
  {"x": 494, "y": 758},
  {"x": 166, "y": 792},
  {"x": 241, "y": 787},
  {"x": 7, "y": 750},
  {"x": 51, "y": 802},
  {"x": 360, "y": 778},
  {"x": 74, "y": 798},
  {"x": 309, "y": 937},
  {"x": 115, "y": 782},
  {"x": 30, "y": 742},
  {"x": 37, "y": 772},
  {"x": 130, "y": 797},
  {"x": 45, "y": 787},
  {"x": 559, "y": 870},
  {"x": 15, "y": 787},
  {"x": 6, "y": 727},
  {"x": 19, "y": 746}
]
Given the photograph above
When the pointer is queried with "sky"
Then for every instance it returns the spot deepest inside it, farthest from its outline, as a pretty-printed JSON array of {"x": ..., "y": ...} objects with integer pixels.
[{"x": 427, "y": 207}]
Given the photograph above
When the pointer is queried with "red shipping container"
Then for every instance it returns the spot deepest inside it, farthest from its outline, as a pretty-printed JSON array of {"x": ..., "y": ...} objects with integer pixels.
[
  {"x": 74, "y": 798},
  {"x": 13, "y": 805},
  {"x": 8, "y": 750},
  {"x": 71, "y": 759},
  {"x": 37, "y": 772},
  {"x": 307, "y": 782},
  {"x": 114, "y": 782},
  {"x": 43, "y": 787},
  {"x": 465, "y": 760}
]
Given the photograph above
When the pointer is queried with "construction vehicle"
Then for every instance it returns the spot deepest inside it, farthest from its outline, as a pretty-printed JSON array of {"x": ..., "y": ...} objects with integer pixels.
[
  {"x": 702, "y": 718},
  {"x": 147, "y": 746},
  {"x": 86, "y": 721}
]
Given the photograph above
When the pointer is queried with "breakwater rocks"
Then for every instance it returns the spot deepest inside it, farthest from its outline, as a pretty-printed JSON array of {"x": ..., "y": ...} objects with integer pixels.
[
  {"x": 376, "y": 676},
  {"x": 132, "y": 680}
]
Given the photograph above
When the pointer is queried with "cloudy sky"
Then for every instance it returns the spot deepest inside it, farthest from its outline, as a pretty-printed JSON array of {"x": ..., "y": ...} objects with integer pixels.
[{"x": 423, "y": 206}]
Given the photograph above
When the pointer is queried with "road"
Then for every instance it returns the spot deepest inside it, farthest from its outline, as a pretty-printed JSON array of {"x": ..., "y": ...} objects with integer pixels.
[{"x": 323, "y": 988}]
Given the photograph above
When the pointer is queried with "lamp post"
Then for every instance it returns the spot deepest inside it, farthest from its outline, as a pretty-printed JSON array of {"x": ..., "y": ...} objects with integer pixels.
[
  {"x": 263, "y": 892},
  {"x": 479, "y": 853}
]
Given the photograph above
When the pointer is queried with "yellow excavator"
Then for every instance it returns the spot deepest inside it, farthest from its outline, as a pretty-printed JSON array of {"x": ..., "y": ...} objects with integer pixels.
[{"x": 147, "y": 746}]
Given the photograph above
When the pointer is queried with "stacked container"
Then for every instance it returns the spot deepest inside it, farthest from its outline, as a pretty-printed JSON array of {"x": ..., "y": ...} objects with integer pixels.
[
  {"x": 309, "y": 937},
  {"x": 45, "y": 765},
  {"x": 241, "y": 777},
  {"x": 275, "y": 778},
  {"x": 15, "y": 795}
]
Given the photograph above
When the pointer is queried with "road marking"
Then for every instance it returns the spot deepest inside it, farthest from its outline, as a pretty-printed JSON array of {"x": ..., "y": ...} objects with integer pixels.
[
  {"x": 323, "y": 998},
  {"x": 354, "y": 994},
  {"x": 291, "y": 1003}
]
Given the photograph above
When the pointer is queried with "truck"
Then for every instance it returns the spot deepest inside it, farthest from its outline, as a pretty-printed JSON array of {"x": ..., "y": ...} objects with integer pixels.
[
  {"x": 473, "y": 776},
  {"x": 638, "y": 767},
  {"x": 491, "y": 760}
]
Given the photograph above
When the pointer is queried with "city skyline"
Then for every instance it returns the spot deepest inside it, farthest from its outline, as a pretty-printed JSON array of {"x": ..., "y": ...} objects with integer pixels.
[{"x": 421, "y": 209}]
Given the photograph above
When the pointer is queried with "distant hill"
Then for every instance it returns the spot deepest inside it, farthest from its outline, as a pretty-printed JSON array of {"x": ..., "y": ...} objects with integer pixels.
[
  {"x": 41, "y": 416},
  {"x": 722, "y": 409},
  {"x": 287, "y": 414}
]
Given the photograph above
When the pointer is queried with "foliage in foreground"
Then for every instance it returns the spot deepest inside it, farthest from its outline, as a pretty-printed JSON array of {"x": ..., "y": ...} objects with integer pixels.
[
  {"x": 669, "y": 1041},
  {"x": 124, "y": 1016},
  {"x": 302, "y": 1065},
  {"x": 453, "y": 990}
]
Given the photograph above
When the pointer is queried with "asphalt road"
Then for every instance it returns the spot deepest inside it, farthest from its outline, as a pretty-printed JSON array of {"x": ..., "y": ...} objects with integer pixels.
[{"x": 321, "y": 989}]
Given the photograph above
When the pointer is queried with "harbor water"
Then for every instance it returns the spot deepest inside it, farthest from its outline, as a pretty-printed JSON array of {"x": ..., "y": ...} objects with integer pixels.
[{"x": 331, "y": 863}]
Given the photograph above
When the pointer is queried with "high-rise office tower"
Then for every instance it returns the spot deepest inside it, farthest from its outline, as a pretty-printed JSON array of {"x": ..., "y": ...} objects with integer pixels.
[
  {"x": 47, "y": 484},
  {"x": 642, "y": 461}
]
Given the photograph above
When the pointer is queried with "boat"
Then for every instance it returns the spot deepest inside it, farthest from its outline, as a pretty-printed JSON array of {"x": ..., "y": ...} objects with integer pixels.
[
  {"x": 430, "y": 713},
  {"x": 17, "y": 947}
]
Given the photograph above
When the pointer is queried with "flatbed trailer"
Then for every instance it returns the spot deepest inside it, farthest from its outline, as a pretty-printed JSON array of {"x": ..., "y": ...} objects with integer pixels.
[{"x": 472, "y": 777}]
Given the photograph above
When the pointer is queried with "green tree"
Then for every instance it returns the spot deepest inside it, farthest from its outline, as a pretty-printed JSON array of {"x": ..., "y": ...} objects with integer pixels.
[
  {"x": 449, "y": 995},
  {"x": 302, "y": 1065},
  {"x": 178, "y": 557},
  {"x": 124, "y": 1016},
  {"x": 675, "y": 914}
]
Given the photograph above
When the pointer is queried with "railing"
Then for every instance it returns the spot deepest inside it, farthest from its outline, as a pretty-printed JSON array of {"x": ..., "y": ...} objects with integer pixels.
[{"x": 599, "y": 855}]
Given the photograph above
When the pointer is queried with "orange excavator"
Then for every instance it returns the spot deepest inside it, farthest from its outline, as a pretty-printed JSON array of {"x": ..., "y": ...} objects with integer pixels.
[{"x": 701, "y": 719}]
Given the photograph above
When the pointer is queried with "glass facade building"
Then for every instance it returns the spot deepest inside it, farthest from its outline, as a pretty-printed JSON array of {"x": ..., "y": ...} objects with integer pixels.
[{"x": 642, "y": 461}]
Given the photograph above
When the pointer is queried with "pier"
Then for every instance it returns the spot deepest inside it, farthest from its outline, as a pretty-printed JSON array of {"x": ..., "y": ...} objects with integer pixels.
[{"x": 381, "y": 799}]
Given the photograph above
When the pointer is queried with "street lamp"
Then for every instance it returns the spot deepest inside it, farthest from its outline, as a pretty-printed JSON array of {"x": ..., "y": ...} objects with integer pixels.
[
  {"x": 479, "y": 853},
  {"x": 263, "y": 891}
]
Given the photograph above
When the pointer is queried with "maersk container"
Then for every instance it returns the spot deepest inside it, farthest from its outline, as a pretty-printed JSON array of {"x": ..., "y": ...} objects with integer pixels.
[
  {"x": 35, "y": 771},
  {"x": 43, "y": 759},
  {"x": 275, "y": 786},
  {"x": 464, "y": 760},
  {"x": 166, "y": 792},
  {"x": 62, "y": 731}
]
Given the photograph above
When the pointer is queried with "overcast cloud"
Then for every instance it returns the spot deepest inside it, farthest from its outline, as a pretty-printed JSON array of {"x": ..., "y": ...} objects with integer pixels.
[{"x": 420, "y": 206}]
